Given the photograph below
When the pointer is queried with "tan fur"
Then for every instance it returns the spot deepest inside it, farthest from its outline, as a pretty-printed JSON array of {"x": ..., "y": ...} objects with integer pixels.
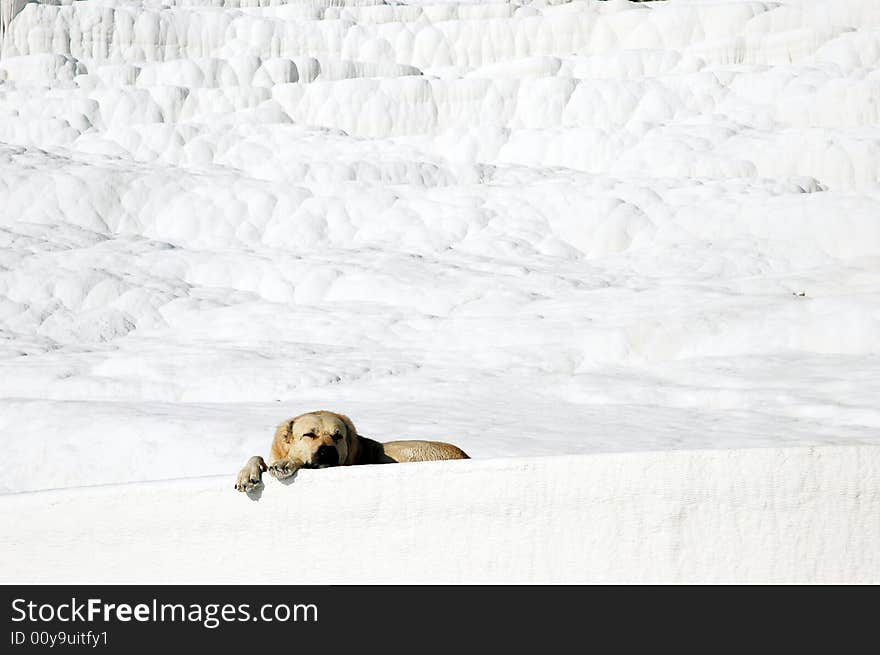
[{"x": 297, "y": 442}]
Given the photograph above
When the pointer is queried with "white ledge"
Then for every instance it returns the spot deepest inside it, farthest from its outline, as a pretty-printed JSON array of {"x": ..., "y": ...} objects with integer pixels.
[{"x": 763, "y": 515}]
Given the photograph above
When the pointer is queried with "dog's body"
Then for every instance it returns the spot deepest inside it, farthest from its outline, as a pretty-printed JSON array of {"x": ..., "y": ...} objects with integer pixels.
[{"x": 322, "y": 439}]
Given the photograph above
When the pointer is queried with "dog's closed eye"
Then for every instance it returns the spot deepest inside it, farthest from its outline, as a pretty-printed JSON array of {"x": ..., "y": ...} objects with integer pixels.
[
  {"x": 337, "y": 436},
  {"x": 310, "y": 435}
]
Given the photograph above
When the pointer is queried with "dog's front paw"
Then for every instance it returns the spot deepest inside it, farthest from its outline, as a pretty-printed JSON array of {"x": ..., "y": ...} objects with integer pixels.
[
  {"x": 251, "y": 475},
  {"x": 283, "y": 469}
]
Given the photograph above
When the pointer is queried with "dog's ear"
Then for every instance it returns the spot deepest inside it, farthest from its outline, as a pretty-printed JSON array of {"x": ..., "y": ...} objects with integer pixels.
[
  {"x": 283, "y": 433},
  {"x": 351, "y": 439}
]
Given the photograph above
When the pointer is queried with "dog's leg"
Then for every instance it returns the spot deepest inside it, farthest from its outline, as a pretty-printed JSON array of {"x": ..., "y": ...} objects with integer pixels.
[
  {"x": 284, "y": 468},
  {"x": 251, "y": 475}
]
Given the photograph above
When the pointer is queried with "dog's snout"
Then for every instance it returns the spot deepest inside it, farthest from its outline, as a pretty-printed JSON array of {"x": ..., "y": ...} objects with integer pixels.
[{"x": 327, "y": 456}]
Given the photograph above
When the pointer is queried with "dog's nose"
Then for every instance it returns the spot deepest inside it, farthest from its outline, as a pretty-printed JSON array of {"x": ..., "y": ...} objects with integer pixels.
[{"x": 327, "y": 455}]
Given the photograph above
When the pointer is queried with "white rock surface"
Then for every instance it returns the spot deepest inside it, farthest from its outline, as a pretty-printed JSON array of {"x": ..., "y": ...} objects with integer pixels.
[
  {"x": 799, "y": 515},
  {"x": 530, "y": 228}
]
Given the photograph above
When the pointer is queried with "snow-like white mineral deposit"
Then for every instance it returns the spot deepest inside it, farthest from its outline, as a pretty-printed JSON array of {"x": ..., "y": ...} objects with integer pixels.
[{"x": 557, "y": 227}]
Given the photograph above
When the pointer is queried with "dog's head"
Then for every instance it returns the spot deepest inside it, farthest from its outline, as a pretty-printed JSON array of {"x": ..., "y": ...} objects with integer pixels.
[{"x": 317, "y": 439}]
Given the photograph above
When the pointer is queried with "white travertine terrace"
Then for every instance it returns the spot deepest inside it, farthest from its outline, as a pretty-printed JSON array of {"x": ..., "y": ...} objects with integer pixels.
[
  {"x": 530, "y": 228},
  {"x": 793, "y": 515}
]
